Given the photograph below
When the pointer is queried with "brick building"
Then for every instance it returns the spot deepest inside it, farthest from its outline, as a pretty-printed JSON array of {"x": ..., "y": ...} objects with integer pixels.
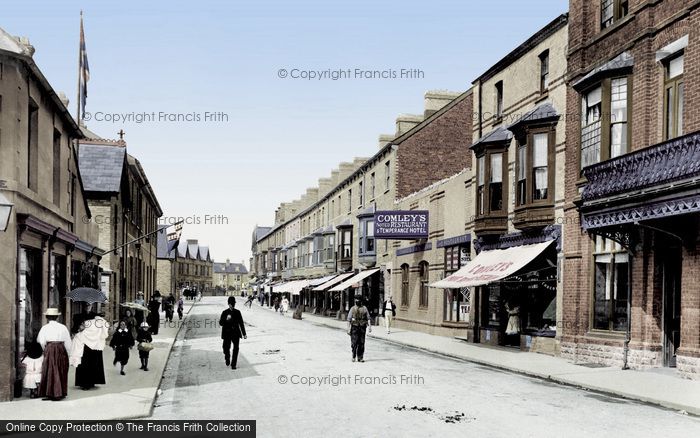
[{"x": 631, "y": 295}]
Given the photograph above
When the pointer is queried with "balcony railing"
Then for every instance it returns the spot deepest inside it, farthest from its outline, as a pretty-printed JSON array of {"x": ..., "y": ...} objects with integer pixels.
[{"x": 661, "y": 164}]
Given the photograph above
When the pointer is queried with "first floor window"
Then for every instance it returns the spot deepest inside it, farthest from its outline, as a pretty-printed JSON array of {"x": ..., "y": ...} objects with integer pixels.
[
  {"x": 404, "y": 285},
  {"x": 540, "y": 147},
  {"x": 496, "y": 182},
  {"x": 522, "y": 172},
  {"x": 456, "y": 305},
  {"x": 611, "y": 286},
  {"x": 346, "y": 244},
  {"x": 367, "y": 237},
  {"x": 590, "y": 130},
  {"x": 480, "y": 181},
  {"x": 673, "y": 99},
  {"x": 424, "y": 268}
]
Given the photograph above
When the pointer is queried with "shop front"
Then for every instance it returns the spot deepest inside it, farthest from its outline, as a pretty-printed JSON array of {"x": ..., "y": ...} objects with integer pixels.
[
  {"x": 511, "y": 292},
  {"x": 365, "y": 284}
]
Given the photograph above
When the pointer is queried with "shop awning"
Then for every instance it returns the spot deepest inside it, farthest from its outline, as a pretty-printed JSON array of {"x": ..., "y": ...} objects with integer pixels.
[
  {"x": 354, "y": 279},
  {"x": 295, "y": 287},
  {"x": 334, "y": 281},
  {"x": 319, "y": 281},
  {"x": 494, "y": 265}
]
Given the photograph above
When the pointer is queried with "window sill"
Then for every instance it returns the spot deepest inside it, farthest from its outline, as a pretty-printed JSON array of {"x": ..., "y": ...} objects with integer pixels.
[{"x": 544, "y": 95}]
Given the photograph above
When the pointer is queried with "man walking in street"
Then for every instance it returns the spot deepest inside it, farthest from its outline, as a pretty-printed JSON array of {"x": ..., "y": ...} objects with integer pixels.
[
  {"x": 388, "y": 313},
  {"x": 232, "y": 330},
  {"x": 358, "y": 321}
]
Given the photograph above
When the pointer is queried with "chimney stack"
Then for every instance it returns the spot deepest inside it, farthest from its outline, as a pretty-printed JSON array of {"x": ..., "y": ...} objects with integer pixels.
[
  {"x": 436, "y": 99},
  {"x": 406, "y": 122}
]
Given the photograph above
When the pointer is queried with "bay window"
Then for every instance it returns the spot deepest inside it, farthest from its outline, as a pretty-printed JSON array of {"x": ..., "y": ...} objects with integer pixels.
[
  {"x": 367, "y": 236},
  {"x": 481, "y": 165},
  {"x": 540, "y": 174},
  {"x": 605, "y": 121},
  {"x": 496, "y": 182},
  {"x": 345, "y": 248},
  {"x": 492, "y": 186}
]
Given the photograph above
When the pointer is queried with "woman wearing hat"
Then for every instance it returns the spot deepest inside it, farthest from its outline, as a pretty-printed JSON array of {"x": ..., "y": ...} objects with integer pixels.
[
  {"x": 55, "y": 340},
  {"x": 144, "y": 339}
]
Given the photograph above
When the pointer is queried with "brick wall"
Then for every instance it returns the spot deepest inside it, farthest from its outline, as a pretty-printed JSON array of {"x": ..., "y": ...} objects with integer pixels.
[{"x": 437, "y": 151}]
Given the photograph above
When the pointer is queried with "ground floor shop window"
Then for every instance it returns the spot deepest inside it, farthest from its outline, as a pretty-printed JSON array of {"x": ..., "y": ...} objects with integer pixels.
[
  {"x": 611, "y": 286},
  {"x": 456, "y": 305}
]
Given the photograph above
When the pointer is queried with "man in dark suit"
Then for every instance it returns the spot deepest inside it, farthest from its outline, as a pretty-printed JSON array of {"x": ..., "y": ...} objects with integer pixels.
[{"x": 232, "y": 330}]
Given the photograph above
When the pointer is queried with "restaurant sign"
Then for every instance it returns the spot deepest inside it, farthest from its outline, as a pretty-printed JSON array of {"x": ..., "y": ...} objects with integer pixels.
[{"x": 409, "y": 225}]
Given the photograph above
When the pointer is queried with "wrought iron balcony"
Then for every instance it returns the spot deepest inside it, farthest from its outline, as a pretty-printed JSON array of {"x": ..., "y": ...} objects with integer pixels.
[{"x": 661, "y": 165}]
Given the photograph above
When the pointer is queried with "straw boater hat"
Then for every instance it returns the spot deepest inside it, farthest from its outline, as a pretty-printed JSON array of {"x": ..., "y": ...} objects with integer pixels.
[
  {"x": 144, "y": 324},
  {"x": 52, "y": 311}
]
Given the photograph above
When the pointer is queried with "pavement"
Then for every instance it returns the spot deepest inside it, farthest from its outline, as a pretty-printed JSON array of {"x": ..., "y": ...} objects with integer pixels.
[
  {"x": 122, "y": 397},
  {"x": 296, "y": 378},
  {"x": 662, "y": 387}
]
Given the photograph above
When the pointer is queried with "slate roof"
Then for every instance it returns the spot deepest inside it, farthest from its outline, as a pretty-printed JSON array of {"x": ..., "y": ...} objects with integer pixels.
[
  {"x": 261, "y": 232},
  {"x": 500, "y": 134},
  {"x": 543, "y": 111},
  {"x": 622, "y": 61},
  {"x": 232, "y": 268},
  {"x": 101, "y": 167},
  {"x": 204, "y": 252}
]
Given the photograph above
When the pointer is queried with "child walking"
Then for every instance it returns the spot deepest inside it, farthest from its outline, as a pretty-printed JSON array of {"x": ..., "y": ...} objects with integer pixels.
[
  {"x": 33, "y": 361},
  {"x": 121, "y": 342},
  {"x": 145, "y": 345}
]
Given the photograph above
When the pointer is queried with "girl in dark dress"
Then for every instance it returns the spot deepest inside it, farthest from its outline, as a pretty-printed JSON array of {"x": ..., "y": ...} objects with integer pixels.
[
  {"x": 121, "y": 342},
  {"x": 144, "y": 337}
]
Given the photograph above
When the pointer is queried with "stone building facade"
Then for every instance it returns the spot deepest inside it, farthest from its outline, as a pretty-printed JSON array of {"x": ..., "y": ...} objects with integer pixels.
[
  {"x": 125, "y": 209},
  {"x": 187, "y": 265},
  {"x": 631, "y": 247},
  {"x": 230, "y": 277},
  {"x": 49, "y": 246}
]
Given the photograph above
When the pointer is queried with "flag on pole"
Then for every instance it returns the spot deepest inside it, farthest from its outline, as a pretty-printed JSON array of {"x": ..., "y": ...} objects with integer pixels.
[
  {"x": 174, "y": 237},
  {"x": 83, "y": 69}
]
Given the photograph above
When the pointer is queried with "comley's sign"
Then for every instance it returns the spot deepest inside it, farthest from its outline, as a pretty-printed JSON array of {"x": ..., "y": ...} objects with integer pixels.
[{"x": 410, "y": 224}]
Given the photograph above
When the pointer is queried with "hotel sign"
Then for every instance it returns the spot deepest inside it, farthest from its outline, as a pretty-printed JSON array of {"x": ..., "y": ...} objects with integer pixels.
[{"x": 408, "y": 225}]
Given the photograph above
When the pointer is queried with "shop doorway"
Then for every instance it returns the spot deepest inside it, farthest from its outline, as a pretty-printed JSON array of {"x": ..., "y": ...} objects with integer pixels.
[
  {"x": 30, "y": 304},
  {"x": 671, "y": 314}
]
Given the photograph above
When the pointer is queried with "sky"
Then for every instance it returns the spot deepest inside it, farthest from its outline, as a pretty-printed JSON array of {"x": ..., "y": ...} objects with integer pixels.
[{"x": 214, "y": 95}]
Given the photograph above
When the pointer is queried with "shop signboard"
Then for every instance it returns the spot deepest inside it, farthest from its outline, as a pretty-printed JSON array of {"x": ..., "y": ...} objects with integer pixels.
[{"x": 401, "y": 224}]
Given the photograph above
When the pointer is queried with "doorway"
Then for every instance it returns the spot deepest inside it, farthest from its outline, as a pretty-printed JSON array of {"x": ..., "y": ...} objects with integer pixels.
[{"x": 671, "y": 313}]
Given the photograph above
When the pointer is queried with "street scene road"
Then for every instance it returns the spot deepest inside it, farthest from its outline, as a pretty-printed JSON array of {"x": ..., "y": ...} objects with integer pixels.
[{"x": 396, "y": 392}]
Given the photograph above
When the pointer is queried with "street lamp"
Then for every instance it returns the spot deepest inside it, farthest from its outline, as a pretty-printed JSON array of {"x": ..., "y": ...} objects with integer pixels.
[{"x": 5, "y": 212}]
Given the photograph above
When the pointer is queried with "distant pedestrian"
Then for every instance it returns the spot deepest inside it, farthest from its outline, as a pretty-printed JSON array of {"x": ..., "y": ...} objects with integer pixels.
[
  {"x": 180, "y": 307},
  {"x": 285, "y": 305},
  {"x": 122, "y": 342},
  {"x": 138, "y": 314},
  {"x": 276, "y": 304},
  {"x": 131, "y": 322},
  {"x": 86, "y": 352},
  {"x": 169, "y": 307},
  {"x": 249, "y": 301},
  {"x": 358, "y": 321},
  {"x": 55, "y": 340},
  {"x": 32, "y": 362},
  {"x": 154, "y": 315},
  {"x": 145, "y": 345},
  {"x": 388, "y": 313},
  {"x": 232, "y": 330}
]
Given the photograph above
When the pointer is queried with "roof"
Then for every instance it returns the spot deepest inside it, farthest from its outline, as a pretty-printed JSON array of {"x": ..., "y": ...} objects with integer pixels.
[
  {"x": 623, "y": 61},
  {"x": 542, "y": 112},
  {"x": 230, "y": 268},
  {"x": 529, "y": 44},
  {"x": 101, "y": 167},
  {"x": 500, "y": 134}
]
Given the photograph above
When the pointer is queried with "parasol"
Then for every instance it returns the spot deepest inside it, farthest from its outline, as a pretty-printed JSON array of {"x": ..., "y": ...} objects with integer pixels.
[
  {"x": 135, "y": 306},
  {"x": 87, "y": 294}
]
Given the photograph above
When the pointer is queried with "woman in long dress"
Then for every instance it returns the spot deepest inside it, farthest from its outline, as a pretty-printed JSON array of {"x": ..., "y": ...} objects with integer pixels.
[
  {"x": 86, "y": 353},
  {"x": 55, "y": 340},
  {"x": 154, "y": 315}
]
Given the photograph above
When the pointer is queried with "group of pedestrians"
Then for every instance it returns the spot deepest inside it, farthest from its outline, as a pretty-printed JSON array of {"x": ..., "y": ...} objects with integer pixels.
[{"x": 48, "y": 358}]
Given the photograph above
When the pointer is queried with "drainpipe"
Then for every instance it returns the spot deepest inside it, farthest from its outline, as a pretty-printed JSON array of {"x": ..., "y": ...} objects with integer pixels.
[
  {"x": 628, "y": 334},
  {"x": 480, "y": 115}
]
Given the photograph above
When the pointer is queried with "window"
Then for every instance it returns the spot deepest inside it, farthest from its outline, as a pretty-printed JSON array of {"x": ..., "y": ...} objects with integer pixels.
[
  {"x": 345, "y": 249},
  {"x": 56, "y": 168},
  {"x": 673, "y": 98},
  {"x": 544, "y": 71},
  {"x": 332, "y": 209},
  {"x": 499, "y": 100},
  {"x": 32, "y": 145},
  {"x": 404, "y": 285},
  {"x": 540, "y": 176},
  {"x": 604, "y": 117},
  {"x": 522, "y": 172},
  {"x": 611, "y": 286},
  {"x": 481, "y": 181},
  {"x": 361, "y": 189},
  {"x": 456, "y": 305},
  {"x": 424, "y": 269},
  {"x": 372, "y": 185},
  {"x": 387, "y": 175},
  {"x": 367, "y": 236},
  {"x": 496, "y": 182},
  {"x": 349, "y": 200},
  {"x": 329, "y": 244},
  {"x": 611, "y": 11}
]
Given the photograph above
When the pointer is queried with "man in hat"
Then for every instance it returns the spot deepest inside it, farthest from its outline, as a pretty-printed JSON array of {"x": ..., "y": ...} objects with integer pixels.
[
  {"x": 232, "y": 330},
  {"x": 358, "y": 321},
  {"x": 388, "y": 313},
  {"x": 55, "y": 340}
]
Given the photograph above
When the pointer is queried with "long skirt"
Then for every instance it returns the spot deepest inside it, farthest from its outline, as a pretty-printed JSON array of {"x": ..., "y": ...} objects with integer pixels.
[
  {"x": 91, "y": 370},
  {"x": 54, "y": 372},
  {"x": 154, "y": 322}
]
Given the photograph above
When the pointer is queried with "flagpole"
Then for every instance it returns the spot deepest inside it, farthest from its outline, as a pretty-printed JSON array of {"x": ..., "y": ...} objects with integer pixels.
[{"x": 77, "y": 115}]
